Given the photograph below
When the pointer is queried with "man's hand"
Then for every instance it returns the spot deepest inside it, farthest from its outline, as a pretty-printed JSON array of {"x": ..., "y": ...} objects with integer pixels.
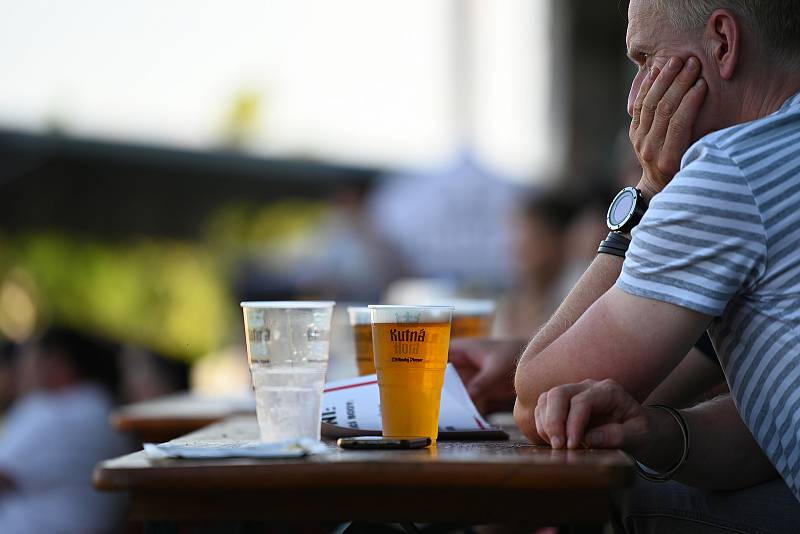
[
  {"x": 486, "y": 366},
  {"x": 599, "y": 414},
  {"x": 664, "y": 114},
  {"x": 724, "y": 455}
]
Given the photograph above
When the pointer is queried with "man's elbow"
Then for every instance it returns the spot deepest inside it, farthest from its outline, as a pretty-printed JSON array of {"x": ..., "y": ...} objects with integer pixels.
[
  {"x": 527, "y": 387},
  {"x": 525, "y": 406},
  {"x": 528, "y": 392},
  {"x": 523, "y": 417}
]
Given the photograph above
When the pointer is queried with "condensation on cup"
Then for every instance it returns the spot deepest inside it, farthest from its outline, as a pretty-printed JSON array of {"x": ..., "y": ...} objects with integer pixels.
[{"x": 288, "y": 343}]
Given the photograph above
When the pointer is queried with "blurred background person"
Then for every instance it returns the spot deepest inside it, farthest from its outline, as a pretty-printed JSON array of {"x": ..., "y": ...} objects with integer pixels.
[
  {"x": 349, "y": 260},
  {"x": 544, "y": 264},
  {"x": 450, "y": 222},
  {"x": 585, "y": 231},
  {"x": 55, "y": 433},
  {"x": 8, "y": 377},
  {"x": 148, "y": 375},
  {"x": 540, "y": 258}
]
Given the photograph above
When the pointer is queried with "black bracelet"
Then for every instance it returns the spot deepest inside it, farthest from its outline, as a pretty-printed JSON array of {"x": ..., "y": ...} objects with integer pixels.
[
  {"x": 617, "y": 238},
  {"x": 654, "y": 476},
  {"x": 615, "y": 244},
  {"x": 612, "y": 251}
]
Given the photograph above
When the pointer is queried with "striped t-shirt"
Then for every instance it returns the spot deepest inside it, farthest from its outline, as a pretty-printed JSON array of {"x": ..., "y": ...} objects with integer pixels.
[{"x": 723, "y": 239}]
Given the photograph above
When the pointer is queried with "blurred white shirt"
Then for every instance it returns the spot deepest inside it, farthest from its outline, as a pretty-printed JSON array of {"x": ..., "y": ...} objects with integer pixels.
[
  {"x": 453, "y": 222},
  {"x": 50, "y": 444}
]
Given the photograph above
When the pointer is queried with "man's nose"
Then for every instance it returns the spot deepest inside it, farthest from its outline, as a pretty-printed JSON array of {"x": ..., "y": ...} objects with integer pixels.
[{"x": 634, "y": 92}]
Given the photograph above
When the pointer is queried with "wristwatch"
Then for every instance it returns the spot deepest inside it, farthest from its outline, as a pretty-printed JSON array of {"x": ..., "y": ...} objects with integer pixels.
[{"x": 626, "y": 210}]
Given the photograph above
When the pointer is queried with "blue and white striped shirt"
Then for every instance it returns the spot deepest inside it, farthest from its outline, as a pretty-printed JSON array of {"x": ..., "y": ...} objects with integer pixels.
[{"x": 723, "y": 238}]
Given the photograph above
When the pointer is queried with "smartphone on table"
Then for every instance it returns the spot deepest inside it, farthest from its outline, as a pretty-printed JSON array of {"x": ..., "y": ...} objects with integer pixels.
[{"x": 382, "y": 443}]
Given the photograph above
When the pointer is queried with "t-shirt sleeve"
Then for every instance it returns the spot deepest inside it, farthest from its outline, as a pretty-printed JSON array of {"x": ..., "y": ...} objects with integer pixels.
[{"x": 702, "y": 240}]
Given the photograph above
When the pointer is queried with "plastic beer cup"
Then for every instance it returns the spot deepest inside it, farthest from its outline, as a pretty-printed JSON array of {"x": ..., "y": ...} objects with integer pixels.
[
  {"x": 362, "y": 334},
  {"x": 410, "y": 345},
  {"x": 471, "y": 317}
]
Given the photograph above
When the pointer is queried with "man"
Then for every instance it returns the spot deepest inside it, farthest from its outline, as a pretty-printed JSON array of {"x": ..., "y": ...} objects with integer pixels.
[
  {"x": 717, "y": 249},
  {"x": 54, "y": 435},
  {"x": 8, "y": 390}
]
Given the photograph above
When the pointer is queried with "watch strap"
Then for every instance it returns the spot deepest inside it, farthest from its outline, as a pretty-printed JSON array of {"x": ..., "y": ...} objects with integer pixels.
[{"x": 615, "y": 244}]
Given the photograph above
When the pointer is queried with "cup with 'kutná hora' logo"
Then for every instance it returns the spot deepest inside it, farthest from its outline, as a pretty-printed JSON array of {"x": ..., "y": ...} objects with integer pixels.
[{"x": 410, "y": 345}]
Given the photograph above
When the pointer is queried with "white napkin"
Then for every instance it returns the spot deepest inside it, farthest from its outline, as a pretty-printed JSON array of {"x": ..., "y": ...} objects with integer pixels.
[{"x": 246, "y": 449}]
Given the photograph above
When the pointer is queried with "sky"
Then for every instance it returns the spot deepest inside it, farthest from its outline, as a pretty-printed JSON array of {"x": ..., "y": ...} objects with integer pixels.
[{"x": 361, "y": 81}]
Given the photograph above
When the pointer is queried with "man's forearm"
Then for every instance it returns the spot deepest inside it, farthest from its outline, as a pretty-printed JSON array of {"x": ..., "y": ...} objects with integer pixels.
[
  {"x": 688, "y": 382},
  {"x": 598, "y": 278},
  {"x": 723, "y": 455}
]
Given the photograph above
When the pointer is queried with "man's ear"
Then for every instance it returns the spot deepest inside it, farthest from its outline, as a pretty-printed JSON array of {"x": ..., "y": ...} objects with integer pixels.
[{"x": 723, "y": 42}]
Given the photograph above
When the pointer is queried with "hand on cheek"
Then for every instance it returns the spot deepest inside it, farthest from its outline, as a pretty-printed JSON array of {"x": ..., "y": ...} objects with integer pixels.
[{"x": 664, "y": 113}]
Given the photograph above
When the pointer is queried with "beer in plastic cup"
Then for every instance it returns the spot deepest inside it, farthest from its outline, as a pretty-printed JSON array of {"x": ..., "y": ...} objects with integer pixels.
[
  {"x": 471, "y": 317},
  {"x": 410, "y": 344},
  {"x": 287, "y": 348},
  {"x": 362, "y": 333}
]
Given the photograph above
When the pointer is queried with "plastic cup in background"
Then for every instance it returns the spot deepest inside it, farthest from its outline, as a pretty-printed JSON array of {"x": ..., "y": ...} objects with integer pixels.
[
  {"x": 362, "y": 334},
  {"x": 410, "y": 345},
  {"x": 287, "y": 348},
  {"x": 471, "y": 317}
]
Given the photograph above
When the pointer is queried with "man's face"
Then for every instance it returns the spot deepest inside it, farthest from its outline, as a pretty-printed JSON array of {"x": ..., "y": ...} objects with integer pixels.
[
  {"x": 41, "y": 368},
  {"x": 29, "y": 375},
  {"x": 651, "y": 41}
]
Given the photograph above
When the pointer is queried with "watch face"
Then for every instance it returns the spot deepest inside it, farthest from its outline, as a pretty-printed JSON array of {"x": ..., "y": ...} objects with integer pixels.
[{"x": 622, "y": 208}]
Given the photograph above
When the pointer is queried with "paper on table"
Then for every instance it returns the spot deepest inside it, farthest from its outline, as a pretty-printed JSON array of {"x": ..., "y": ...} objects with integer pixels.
[
  {"x": 355, "y": 403},
  {"x": 247, "y": 449}
]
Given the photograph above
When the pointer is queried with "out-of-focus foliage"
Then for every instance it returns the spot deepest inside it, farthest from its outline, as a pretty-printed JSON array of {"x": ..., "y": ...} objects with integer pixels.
[
  {"x": 166, "y": 295},
  {"x": 252, "y": 226},
  {"x": 175, "y": 297}
]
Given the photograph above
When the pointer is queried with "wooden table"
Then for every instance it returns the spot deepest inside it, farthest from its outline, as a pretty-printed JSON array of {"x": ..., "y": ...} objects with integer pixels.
[
  {"x": 169, "y": 417},
  {"x": 474, "y": 482}
]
